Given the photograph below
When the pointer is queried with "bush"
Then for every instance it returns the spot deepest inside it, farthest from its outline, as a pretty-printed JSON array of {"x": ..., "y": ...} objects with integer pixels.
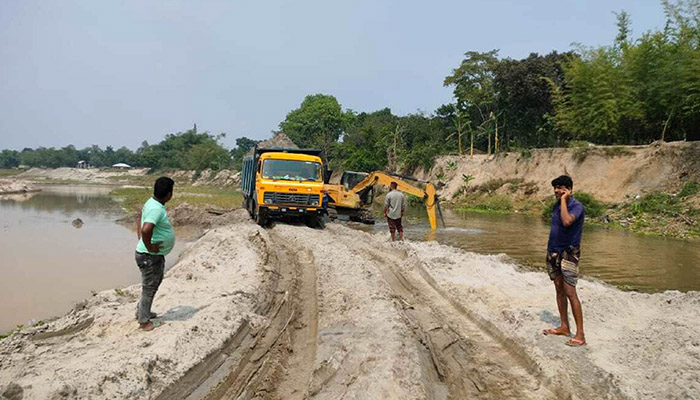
[
  {"x": 655, "y": 203},
  {"x": 581, "y": 153},
  {"x": 594, "y": 207}
]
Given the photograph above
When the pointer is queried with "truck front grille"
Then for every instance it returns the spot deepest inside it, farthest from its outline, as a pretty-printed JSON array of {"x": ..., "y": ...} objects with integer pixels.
[{"x": 295, "y": 199}]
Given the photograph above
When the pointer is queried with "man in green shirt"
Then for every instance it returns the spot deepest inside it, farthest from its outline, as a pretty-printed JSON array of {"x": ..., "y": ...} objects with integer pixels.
[{"x": 156, "y": 239}]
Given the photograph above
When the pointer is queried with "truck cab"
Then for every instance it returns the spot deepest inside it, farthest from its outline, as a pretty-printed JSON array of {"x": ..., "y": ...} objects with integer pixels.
[{"x": 284, "y": 184}]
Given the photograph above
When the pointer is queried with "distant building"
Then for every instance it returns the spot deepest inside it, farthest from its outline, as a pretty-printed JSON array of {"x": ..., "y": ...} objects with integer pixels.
[
  {"x": 121, "y": 166},
  {"x": 83, "y": 164}
]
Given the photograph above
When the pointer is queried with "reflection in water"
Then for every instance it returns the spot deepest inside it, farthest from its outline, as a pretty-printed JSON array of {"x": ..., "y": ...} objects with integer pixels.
[
  {"x": 644, "y": 263},
  {"x": 47, "y": 264}
]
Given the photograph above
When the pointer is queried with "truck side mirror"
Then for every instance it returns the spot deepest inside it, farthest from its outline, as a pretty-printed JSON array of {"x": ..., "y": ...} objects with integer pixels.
[{"x": 327, "y": 175}]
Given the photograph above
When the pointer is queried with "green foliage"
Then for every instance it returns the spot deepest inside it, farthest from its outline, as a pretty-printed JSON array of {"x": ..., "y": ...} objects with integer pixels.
[
  {"x": 184, "y": 150},
  {"x": 317, "y": 123},
  {"x": 243, "y": 145},
  {"x": 488, "y": 204},
  {"x": 655, "y": 203},
  {"x": 525, "y": 98},
  {"x": 467, "y": 178},
  {"x": 636, "y": 91},
  {"x": 9, "y": 159},
  {"x": 119, "y": 292},
  {"x": 581, "y": 153},
  {"x": 689, "y": 189}
]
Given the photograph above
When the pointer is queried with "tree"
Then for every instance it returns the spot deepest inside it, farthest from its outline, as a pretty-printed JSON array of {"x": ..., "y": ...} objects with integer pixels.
[
  {"x": 9, "y": 159},
  {"x": 243, "y": 145},
  {"x": 473, "y": 83},
  {"x": 318, "y": 122},
  {"x": 524, "y": 99}
]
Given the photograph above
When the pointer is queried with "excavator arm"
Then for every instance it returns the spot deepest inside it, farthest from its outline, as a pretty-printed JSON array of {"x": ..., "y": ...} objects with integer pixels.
[{"x": 428, "y": 194}]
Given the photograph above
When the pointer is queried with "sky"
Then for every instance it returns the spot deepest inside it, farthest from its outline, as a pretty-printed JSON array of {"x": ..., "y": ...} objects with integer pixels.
[{"x": 121, "y": 72}]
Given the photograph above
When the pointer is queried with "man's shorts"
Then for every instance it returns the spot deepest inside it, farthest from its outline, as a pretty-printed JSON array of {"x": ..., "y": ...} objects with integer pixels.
[
  {"x": 394, "y": 225},
  {"x": 564, "y": 263}
]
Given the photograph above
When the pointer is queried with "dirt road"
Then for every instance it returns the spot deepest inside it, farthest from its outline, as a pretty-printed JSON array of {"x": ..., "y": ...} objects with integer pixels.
[
  {"x": 294, "y": 313},
  {"x": 346, "y": 322}
]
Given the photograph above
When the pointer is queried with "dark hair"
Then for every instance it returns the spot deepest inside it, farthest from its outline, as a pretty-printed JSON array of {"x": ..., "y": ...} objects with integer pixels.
[
  {"x": 563, "y": 180},
  {"x": 393, "y": 185},
  {"x": 163, "y": 186}
]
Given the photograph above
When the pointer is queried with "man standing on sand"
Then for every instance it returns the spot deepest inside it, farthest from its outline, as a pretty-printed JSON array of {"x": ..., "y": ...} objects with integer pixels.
[
  {"x": 563, "y": 254},
  {"x": 394, "y": 207},
  {"x": 156, "y": 239}
]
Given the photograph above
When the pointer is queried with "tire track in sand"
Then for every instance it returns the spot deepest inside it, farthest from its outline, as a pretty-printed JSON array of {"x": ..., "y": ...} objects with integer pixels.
[{"x": 263, "y": 362}]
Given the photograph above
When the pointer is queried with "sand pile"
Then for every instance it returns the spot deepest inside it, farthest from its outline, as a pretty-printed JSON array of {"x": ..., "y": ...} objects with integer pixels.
[
  {"x": 89, "y": 175},
  {"x": 96, "y": 351},
  {"x": 644, "y": 345},
  {"x": 185, "y": 214},
  {"x": 8, "y": 187}
]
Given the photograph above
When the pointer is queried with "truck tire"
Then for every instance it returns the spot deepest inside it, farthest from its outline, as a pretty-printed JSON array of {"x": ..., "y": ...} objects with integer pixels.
[
  {"x": 261, "y": 219},
  {"x": 315, "y": 221}
]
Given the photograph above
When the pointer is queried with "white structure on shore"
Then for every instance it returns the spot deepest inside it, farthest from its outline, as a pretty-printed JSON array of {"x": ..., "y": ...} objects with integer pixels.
[{"x": 121, "y": 166}]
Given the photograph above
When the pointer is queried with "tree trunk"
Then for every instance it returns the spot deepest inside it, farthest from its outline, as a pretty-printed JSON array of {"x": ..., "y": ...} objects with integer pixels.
[{"x": 459, "y": 136}]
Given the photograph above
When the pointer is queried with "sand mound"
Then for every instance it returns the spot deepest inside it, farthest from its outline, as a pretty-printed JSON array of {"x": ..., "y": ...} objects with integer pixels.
[
  {"x": 8, "y": 187},
  {"x": 644, "y": 345},
  {"x": 96, "y": 351},
  {"x": 185, "y": 214}
]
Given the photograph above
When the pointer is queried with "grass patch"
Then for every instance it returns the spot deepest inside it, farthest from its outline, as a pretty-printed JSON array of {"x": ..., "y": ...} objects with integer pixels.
[
  {"x": 594, "y": 207},
  {"x": 132, "y": 199},
  {"x": 616, "y": 151},
  {"x": 488, "y": 204},
  {"x": 689, "y": 189},
  {"x": 655, "y": 203},
  {"x": 9, "y": 172}
]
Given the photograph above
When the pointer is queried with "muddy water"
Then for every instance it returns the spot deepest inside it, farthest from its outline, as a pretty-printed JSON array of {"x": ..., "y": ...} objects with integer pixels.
[
  {"x": 624, "y": 259},
  {"x": 47, "y": 264}
]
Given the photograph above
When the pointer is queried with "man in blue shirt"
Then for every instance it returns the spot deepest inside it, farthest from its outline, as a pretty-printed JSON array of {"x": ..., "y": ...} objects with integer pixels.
[{"x": 563, "y": 254}]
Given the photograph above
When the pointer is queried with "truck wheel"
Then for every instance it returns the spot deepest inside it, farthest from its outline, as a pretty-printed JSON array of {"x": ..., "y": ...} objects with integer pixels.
[
  {"x": 261, "y": 219},
  {"x": 315, "y": 221}
]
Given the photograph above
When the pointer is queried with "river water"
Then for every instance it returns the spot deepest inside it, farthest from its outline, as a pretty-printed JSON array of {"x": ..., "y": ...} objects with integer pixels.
[
  {"x": 628, "y": 260},
  {"x": 47, "y": 264}
]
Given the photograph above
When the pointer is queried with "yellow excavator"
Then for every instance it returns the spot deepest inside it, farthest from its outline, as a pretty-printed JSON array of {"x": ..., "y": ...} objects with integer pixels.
[{"x": 352, "y": 198}]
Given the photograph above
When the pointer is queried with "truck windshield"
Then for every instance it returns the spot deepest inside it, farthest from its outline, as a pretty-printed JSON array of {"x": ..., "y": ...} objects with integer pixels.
[{"x": 291, "y": 170}]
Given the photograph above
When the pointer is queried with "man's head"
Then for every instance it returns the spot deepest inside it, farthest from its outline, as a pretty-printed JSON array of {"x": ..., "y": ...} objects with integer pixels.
[
  {"x": 562, "y": 184},
  {"x": 163, "y": 189},
  {"x": 393, "y": 185}
]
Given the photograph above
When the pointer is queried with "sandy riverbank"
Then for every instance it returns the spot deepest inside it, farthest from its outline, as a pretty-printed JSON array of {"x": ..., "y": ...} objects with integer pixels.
[
  {"x": 292, "y": 312},
  {"x": 11, "y": 186}
]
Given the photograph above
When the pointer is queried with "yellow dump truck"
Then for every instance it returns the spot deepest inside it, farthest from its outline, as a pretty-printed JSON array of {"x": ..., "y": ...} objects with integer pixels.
[{"x": 283, "y": 184}]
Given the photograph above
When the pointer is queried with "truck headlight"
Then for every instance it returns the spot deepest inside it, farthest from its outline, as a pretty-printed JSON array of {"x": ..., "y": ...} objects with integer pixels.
[
  {"x": 313, "y": 202},
  {"x": 268, "y": 200}
]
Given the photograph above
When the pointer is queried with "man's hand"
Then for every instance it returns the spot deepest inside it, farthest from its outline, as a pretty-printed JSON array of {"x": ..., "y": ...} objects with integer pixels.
[
  {"x": 154, "y": 247},
  {"x": 566, "y": 195}
]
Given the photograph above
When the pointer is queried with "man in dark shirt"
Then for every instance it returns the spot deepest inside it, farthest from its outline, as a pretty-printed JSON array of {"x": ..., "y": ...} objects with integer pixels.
[{"x": 563, "y": 253}]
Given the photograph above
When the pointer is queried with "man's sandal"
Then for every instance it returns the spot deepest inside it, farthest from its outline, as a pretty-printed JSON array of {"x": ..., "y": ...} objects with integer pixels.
[
  {"x": 153, "y": 325},
  {"x": 576, "y": 343}
]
